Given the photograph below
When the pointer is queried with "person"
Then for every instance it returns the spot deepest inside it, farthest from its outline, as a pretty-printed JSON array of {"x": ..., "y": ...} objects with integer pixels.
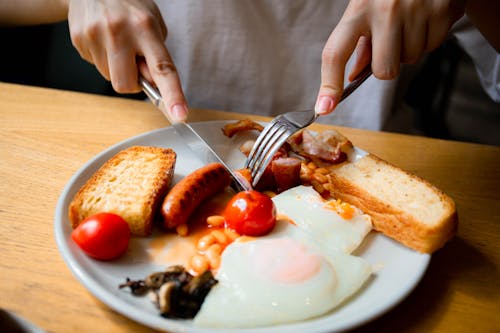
[{"x": 268, "y": 57}]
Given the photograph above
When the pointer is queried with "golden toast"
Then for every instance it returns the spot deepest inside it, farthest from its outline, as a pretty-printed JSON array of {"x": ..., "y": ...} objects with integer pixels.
[
  {"x": 131, "y": 184},
  {"x": 402, "y": 205}
]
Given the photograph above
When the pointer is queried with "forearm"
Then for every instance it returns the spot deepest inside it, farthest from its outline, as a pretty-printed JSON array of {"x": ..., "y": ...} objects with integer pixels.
[
  {"x": 484, "y": 14},
  {"x": 30, "y": 12}
]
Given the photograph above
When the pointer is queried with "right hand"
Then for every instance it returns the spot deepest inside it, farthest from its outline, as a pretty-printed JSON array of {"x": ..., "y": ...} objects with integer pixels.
[{"x": 123, "y": 38}]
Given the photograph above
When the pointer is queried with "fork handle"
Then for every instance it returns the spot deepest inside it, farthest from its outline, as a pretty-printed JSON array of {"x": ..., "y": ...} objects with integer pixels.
[{"x": 354, "y": 84}]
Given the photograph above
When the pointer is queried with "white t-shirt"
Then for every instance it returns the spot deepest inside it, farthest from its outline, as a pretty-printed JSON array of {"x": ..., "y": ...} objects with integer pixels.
[{"x": 264, "y": 57}]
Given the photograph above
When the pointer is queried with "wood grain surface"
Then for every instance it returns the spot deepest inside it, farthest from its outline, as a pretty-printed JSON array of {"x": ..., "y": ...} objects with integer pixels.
[{"x": 47, "y": 135}]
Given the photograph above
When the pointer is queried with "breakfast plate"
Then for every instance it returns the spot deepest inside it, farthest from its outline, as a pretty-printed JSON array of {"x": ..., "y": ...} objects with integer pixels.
[{"x": 397, "y": 269}]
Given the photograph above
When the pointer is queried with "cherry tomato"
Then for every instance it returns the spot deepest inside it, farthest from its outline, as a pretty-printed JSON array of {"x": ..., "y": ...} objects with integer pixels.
[
  {"x": 250, "y": 213},
  {"x": 103, "y": 236}
]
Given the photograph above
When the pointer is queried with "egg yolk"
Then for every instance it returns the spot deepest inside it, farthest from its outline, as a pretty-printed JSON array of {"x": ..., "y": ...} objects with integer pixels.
[
  {"x": 345, "y": 210},
  {"x": 285, "y": 260}
]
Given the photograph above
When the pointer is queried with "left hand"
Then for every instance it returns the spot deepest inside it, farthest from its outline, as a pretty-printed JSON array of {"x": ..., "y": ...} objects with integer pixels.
[{"x": 385, "y": 33}]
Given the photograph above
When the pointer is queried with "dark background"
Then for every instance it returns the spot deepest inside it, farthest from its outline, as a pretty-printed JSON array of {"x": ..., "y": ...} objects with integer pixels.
[{"x": 446, "y": 99}]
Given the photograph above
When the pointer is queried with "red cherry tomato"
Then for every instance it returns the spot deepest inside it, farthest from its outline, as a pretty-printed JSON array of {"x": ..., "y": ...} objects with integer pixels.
[
  {"x": 103, "y": 236},
  {"x": 250, "y": 213}
]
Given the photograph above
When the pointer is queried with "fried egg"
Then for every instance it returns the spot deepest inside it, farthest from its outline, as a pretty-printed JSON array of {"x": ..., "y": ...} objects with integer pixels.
[
  {"x": 317, "y": 217},
  {"x": 283, "y": 277}
]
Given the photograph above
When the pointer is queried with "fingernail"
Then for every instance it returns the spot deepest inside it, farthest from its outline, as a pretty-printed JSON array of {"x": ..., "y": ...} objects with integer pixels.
[
  {"x": 324, "y": 104},
  {"x": 179, "y": 112}
]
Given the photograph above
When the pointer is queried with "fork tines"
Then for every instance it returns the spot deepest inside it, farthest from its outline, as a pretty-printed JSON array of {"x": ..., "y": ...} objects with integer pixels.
[
  {"x": 285, "y": 125},
  {"x": 269, "y": 141}
]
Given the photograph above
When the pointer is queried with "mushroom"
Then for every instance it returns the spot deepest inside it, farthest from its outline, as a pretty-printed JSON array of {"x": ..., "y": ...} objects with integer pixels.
[
  {"x": 175, "y": 292},
  {"x": 137, "y": 287},
  {"x": 165, "y": 296},
  {"x": 200, "y": 285},
  {"x": 156, "y": 280}
]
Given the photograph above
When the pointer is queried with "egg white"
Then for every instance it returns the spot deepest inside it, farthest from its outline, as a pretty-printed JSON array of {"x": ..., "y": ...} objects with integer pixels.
[
  {"x": 245, "y": 297},
  {"x": 309, "y": 211}
]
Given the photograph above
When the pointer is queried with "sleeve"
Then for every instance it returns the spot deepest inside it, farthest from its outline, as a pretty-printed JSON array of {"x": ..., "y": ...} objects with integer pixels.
[{"x": 485, "y": 58}]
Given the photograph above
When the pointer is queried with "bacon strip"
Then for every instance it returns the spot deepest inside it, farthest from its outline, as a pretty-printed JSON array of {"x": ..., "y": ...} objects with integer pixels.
[
  {"x": 327, "y": 146},
  {"x": 231, "y": 129}
]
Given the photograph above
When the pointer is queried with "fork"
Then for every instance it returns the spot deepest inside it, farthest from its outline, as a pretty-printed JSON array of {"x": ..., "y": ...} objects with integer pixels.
[{"x": 285, "y": 125}]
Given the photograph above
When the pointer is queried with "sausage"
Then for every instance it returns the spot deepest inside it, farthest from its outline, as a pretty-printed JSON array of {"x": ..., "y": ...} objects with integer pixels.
[
  {"x": 191, "y": 191},
  {"x": 286, "y": 172}
]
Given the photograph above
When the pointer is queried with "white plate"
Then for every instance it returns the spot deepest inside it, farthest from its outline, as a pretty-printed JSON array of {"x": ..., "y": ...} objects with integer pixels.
[{"x": 399, "y": 269}]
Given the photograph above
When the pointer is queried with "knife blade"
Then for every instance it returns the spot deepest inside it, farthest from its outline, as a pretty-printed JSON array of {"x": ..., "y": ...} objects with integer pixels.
[{"x": 191, "y": 138}]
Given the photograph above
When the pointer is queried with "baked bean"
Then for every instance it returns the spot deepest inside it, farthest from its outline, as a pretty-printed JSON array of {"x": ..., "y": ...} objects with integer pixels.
[
  {"x": 320, "y": 178},
  {"x": 323, "y": 171},
  {"x": 215, "y": 220},
  {"x": 182, "y": 230},
  {"x": 328, "y": 187},
  {"x": 215, "y": 249},
  {"x": 231, "y": 234},
  {"x": 311, "y": 165},
  {"x": 318, "y": 186},
  {"x": 306, "y": 176},
  {"x": 306, "y": 170},
  {"x": 220, "y": 237},
  {"x": 205, "y": 241},
  {"x": 213, "y": 255},
  {"x": 199, "y": 263}
]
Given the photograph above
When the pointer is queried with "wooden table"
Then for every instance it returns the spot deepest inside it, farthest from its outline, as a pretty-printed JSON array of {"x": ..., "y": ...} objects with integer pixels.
[{"x": 46, "y": 135}]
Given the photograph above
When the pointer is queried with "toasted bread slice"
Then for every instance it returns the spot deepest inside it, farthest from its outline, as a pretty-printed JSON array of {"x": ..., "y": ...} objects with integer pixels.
[
  {"x": 403, "y": 206},
  {"x": 131, "y": 184}
]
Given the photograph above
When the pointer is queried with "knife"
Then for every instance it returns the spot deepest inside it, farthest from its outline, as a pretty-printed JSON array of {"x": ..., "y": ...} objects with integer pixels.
[{"x": 191, "y": 138}]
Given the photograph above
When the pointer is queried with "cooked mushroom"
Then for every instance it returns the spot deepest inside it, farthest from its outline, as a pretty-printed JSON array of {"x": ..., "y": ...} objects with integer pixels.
[
  {"x": 156, "y": 280},
  {"x": 175, "y": 292},
  {"x": 165, "y": 297},
  {"x": 137, "y": 287},
  {"x": 200, "y": 285},
  {"x": 175, "y": 269}
]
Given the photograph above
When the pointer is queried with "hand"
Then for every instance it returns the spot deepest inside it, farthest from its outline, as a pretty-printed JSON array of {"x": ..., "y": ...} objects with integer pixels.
[
  {"x": 385, "y": 33},
  {"x": 123, "y": 38}
]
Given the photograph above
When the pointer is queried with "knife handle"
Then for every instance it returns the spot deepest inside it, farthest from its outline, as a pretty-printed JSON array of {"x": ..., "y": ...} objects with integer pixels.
[{"x": 152, "y": 93}]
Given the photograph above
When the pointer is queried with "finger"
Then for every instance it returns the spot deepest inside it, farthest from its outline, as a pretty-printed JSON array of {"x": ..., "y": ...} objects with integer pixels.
[
  {"x": 99, "y": 58},
  {"x": 163, "y": 27},
  {"x": 90, "y": 44},
  {"x": 123, "y": 70},
  {"x": 445, "y": 14},
  {"x": 77, "y": 36},
  {"x": 414, "y": 37},
  {"x": 164, "y": 75},
  {"x": 338, "y": 48},
  {"x": 438, "y": 31},
  {"x": 121, "y": 53},
  {"x": 143, "y": 69},
  {"x": 81, "y": 48},
  {"x": 159, "y": 20},
  {"x": 386, "y": 44},
  {"x": 122, "y": 62},
  {"x": 363, "y": 56}
]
